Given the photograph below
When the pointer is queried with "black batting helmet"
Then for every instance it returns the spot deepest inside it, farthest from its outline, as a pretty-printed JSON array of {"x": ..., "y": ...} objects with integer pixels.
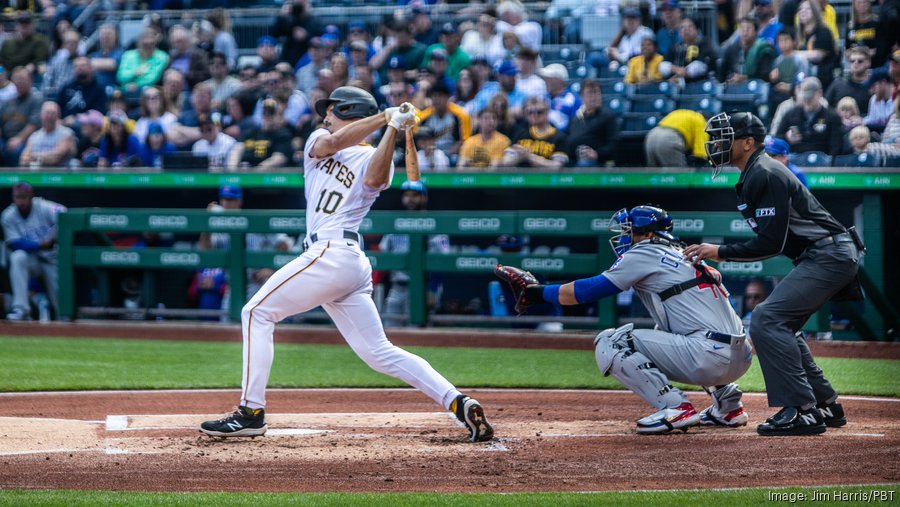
[{"x": 349, "y": 102}]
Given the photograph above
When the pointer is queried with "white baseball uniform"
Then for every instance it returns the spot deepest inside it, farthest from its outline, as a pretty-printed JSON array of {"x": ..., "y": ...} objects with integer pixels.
[{"x": 333, "y": 273}]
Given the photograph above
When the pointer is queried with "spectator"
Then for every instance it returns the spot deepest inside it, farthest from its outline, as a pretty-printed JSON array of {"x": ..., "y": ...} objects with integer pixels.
[
  {"x": 769, "y": 25},
  {"x": 449, "y": 122},
  {"x": 754, "y": 294},
  {"x": 53, "y": 144},
  {"x": 364, "y": 77},
  {"x": 223, "y": 40},
  {"x": 437, "y": 71},
  {"x": 563, "y": 102},
  {"x": 507, "y": 123},
  {"x": 541, "y": 144},
  {"x": 506, "y": 83},
  {"x": 325, "y": 80},
  {"x": 593, "y": 131},
  {"x": 396, "y": 304},
  {"x": 175, "y": 98},
  {"x": 267, "y": 51},
  {"x": 62, "y": 65},
  {"x": 220, "y": 83},
  {"x": 456, "y": 56},
  {"x": 748, "y": 57},
  {"x": 30, "y": 231},
  {"x": 485, "y": 149},
  {"x": 144, "y": 66},
  {"x": 358, "y": 53},
  {"x": 828, "y": 16},
  {"x": 201, "y": 104},
  {"x": 430, "y": 158},
  {"x": 82, "y": 93},
  {"x": 881, "y": 106},
  {"x": 644, "y": 68},
  {"x": 268, "y": 146},
  {"x": 691, "y": 58},
  {"x": 153, "y": 110},
  {"x": 340, "y": 67},
  {"x": 678, "y": 140},
  {"x": 466, "y": 90},
  {"x": 239, "y": 118},
  {"x": 627, "y": 43},
  {"x": 249, "y": 78},
  {"x": 204, "y": 33},
  {"x": 810, "y": 126},
  {"x": 423, "y": 28},
  {"x": 26, "y": 48},
  {"x": 186, "y": 58},
  {"x": 281, "y": 82},
  {"x": 88, "y": 146},
  {"x": 156, "y": 147},
  {"x": 669, "y": 34},
  {"x": 855, "y": 84},
  {"x": 119, "y": 148},
  {"x": 213, "y": 143},
  {"x": 859, "y": 137},
  {"x": 514, "y": 18},
  {"x": 863, "y": 27},
  {"x": 396, "y": 74},
  {"x": 105, "y": 60},
  {"x": 358, "y": 35},
  {"x": 295, "y": 26},
  {"x": 789, "y": 67},
  {"x": 849, "y": 113},
  {"x": 117, "y": 103},
  {"x": 19, "y": 117},
  {"x": 889, "y": 147},
  {"x": 780, "y": 151},
  {"x": 208, "y": 289},
  {"x": 815, "y": 41},
  {"x": 483, "y": 41},
  {"x": 306, "y": 75},
  {"x": 7, "y": 88},
  {"x": 889, "y": 39},
  {"x": 409, "y": 51}
]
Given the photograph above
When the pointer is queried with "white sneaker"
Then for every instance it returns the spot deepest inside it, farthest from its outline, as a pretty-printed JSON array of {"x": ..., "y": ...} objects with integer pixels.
[
  {"x": 734, "y": 419},
  {"x": 18, "y": 313},
  {"x": 666, "y": 420}
]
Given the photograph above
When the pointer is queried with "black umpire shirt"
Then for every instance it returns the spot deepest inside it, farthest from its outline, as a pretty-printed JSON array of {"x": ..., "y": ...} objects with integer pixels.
[{"x": 782, "y": 212}]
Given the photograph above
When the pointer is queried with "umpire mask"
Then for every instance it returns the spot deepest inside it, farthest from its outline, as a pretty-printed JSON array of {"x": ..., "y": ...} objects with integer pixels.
[{"x": 721, "y": 137}]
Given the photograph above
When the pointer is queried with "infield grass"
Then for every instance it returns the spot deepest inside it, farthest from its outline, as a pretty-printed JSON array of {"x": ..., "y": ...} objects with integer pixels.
[
  {"x": 886, "y": 494},
  {"x": 41, "y": 364}
]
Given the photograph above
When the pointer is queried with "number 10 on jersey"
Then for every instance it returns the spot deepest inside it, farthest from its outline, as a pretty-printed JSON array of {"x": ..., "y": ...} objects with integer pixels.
[{"x": 328, "y": 203}]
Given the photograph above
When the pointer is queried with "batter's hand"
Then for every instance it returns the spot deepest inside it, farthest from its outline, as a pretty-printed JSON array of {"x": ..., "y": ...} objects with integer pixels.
[
  {"x": 389, "y": 113},
  {"x": 697, "y": 253},
  {"x": 405, "y": 117}
]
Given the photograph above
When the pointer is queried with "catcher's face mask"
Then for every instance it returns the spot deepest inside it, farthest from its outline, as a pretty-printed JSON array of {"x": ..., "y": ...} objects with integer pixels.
[
  {"x": 620, "y": 222},
  {"x": 721, "y": 137}
]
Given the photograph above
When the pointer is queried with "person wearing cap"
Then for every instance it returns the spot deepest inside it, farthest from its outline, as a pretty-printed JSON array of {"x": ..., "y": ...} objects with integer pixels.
[
  {"x": 295, "y": 26},
  {"x": 213, "y": 142},
  {"x": 669, "y": 34},
  {"x": 540, "y": 145},
  {"x": 396, "y": 302},
  {"x": 811, "y": 126},
  {"x": 506, "y": 83},
  {"x": 267, "y": 146},
  {"x": 154, "y": 149},
  {"x": 449, "y": 41},
  {"x": 319, "y": 53},
  {"x": 430, "y": 158},
  {"x": 748, "y": 56},
  {"x": 692, "y": 58},
  {"x": 769, "y": 25},
  {"x": 357, "y": 55},
  {"x": 880, "y": 105},
  {"x": 119, "y": 148},
  {"x": 450, "y": 123},
  {"x": 627, "y": 43},
  {"x": 19, "y": 117},
  {"x": 678, "y": 140},
  {"x": 144, "y": 65},
  {"x": 29, "y": 232},
  {"x": 27, "y": 48},
  {"x": 644, "y": 68},
  {"x": 563, "y": 102},
  {"x": 82, "y": 93},
  {"x": 780, "y": 151},
  {"x": 514, "y": 18},
  {"x": 486, "y": 148},
  {"x": 267, "y": 51},
  {"x": 91, "y": 125},
  {"x": 403, "y": 45},
  {"x": 53, "y": 144},
  {"x": 593, "y": 131},
  {"x": 786, "y": 220}
]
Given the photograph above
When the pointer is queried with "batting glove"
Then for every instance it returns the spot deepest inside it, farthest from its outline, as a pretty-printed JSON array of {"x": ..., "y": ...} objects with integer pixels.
[{"x": 389, "y": 113}]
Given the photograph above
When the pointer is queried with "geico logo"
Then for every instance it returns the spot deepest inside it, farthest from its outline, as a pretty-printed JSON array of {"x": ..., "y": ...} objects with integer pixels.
[
  {"x": 179, "y": 222},
  {"x": 476, "y": 262},
  {"x": 281, "y": 260},
  {"x": 599, "y": 224},
  {"x": 552, "y": 224},
  {"x": 688, "y": 224},
  {"x": 228, "y": 222},
  {"x": 739, "y": 226},
  {"x": 120, "y": 258},
  {"x": 415, "y": 224},
  {"x": 291, "y": 223},
  {"x": 544, "y": 264},
  {"x": 479, "y": 224},
  {"x": 108, "y": 221},
  {"x": 740, "y": 267},
  {"x": 179, "y": 259},
  {"x": 366, "y": 224}
]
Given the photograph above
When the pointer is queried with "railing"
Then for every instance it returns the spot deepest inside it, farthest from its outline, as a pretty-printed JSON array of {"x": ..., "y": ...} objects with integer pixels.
[{"x": 417, "y": 262}]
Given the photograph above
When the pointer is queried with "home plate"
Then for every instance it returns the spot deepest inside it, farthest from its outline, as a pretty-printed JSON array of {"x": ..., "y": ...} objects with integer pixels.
[{"x": 290, "y": 432}]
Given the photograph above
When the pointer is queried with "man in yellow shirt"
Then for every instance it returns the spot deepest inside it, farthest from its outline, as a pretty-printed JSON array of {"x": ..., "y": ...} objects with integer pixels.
[
  {"x": 644, "y": 68},
  {"x": 486, "y": 148},
  {"x": 680, "y": 134}
]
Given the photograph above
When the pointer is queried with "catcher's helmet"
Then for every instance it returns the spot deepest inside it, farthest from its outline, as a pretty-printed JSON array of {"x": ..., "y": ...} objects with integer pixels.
[
  {"x": 723, "y": 129},
  {"x": 349, "y": 102},
  {"x": 641, "y": 220}
]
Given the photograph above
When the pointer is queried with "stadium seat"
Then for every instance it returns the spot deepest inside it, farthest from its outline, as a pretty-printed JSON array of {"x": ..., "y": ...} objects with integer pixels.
[
  {"x": 616, "y": 104},
  {"x": 660, "y": 88},
  {"x": 892, "y": 161},
  {"x": 753, "y": 87},
  {"x": 708, "y": 88},
  {"x": 639, "y": 123},
  {"x": 811, "y": 159},
  {"x": 612, "y": 86},
  {"x": 652, "y": 104},
  {"x": 703, "y": 104},
  {"x": 857, "y": 160}
]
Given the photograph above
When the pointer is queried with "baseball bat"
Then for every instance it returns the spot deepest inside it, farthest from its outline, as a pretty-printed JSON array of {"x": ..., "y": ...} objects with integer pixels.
[{"x": 412, "y": 158}]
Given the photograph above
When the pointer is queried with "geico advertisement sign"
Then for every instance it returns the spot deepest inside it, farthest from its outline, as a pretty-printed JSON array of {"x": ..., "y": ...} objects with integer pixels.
[
  {"x": 740, "y": 226},
  {"x": 479, "y": 224},
  {"x": 223, "y": 222},
  {"x": 688, "y": 224},
  {"x": 477, "y": 263},
  {"x": 167, "y": 221},
  {"x": 740, "y": 267},
  {"x": 286, "y": 223},
  {"x": 108, "y": 220},
  {"x": 542, "y": 264},
  {"x": 129, "y": 258},
  {"x": 545, "y": 224},
  {"x": 179, "y": 259},
  {"x": 414, "y": 224}
]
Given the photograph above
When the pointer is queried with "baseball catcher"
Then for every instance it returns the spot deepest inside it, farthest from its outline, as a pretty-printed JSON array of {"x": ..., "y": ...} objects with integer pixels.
[{"x": 698, "y": 337}]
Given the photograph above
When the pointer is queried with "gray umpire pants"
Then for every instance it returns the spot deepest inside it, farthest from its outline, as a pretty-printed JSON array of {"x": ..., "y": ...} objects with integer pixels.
[
  {"x": 792, "y": 377},
  {"x": 664, "y": 147}
]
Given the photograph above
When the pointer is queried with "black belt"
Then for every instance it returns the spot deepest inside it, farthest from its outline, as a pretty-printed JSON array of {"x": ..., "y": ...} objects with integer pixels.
[
  {"x": 721, "y": 337},
  {"x": 347, "y": 235},
  {"x": 842, "y": 237}
]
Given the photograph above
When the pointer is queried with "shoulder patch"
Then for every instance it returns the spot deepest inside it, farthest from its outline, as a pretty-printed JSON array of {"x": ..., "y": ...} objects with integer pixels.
[
  {"x": 765, "y": 212},
  {"x": 615, "y": 264}
]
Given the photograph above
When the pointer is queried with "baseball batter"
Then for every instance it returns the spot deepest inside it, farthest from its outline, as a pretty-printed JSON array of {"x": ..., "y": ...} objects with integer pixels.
[
  {"x": 343, "y": 179},
  {"x": 698, "y": 337}
]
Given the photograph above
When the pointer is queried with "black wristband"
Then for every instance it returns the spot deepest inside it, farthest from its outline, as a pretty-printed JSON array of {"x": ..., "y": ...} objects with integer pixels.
[{"x": 534, "y": 293}]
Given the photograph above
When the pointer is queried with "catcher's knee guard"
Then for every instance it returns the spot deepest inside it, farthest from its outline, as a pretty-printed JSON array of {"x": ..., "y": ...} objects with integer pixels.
[{"x": 615, "y": 355}]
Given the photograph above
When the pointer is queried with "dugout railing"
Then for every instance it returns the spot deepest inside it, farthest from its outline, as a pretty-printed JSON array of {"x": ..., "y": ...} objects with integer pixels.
[{"x": 711, "y": 226}]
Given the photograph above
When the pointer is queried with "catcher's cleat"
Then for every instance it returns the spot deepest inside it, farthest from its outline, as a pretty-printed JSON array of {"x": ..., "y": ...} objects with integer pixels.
[
  {"x": 666, "y": 420},
  {"x": 734, "y": 419},
  {"x": 832, "y": 414},
  {"x": 470, "y": 413},
  {"x": 243, "y": 422}
]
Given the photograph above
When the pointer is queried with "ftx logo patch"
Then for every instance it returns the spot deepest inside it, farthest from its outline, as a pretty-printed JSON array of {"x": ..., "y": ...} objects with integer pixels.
[{"x": 765, "y": 212}]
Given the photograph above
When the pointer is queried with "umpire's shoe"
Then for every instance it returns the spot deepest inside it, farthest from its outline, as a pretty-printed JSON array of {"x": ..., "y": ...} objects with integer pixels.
[
  {"x": 470, "y": 413},
  {"x": 793, "y": 421},
  {"x": 244, "y": 422},
  {"x": 832, "y": 414}
]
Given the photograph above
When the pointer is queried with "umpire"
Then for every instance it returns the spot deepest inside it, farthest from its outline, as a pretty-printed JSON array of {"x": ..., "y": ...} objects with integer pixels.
[{"x": 787, "y": 219}]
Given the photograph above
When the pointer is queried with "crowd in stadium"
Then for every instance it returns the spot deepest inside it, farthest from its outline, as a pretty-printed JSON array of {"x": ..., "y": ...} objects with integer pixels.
[{"x": 491, "y": 90}]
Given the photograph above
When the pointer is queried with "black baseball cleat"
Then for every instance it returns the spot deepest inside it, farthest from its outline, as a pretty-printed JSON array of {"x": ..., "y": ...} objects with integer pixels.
[
  {"x": 470, "y": 413},
  {"x": 832, "y": 413},
  {"x": 792, "y": 421},
  {"x": 243, "y": 422}
]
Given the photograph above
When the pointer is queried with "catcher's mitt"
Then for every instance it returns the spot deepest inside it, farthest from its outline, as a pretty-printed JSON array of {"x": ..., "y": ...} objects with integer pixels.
[{"x": 525, "y": 287}]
